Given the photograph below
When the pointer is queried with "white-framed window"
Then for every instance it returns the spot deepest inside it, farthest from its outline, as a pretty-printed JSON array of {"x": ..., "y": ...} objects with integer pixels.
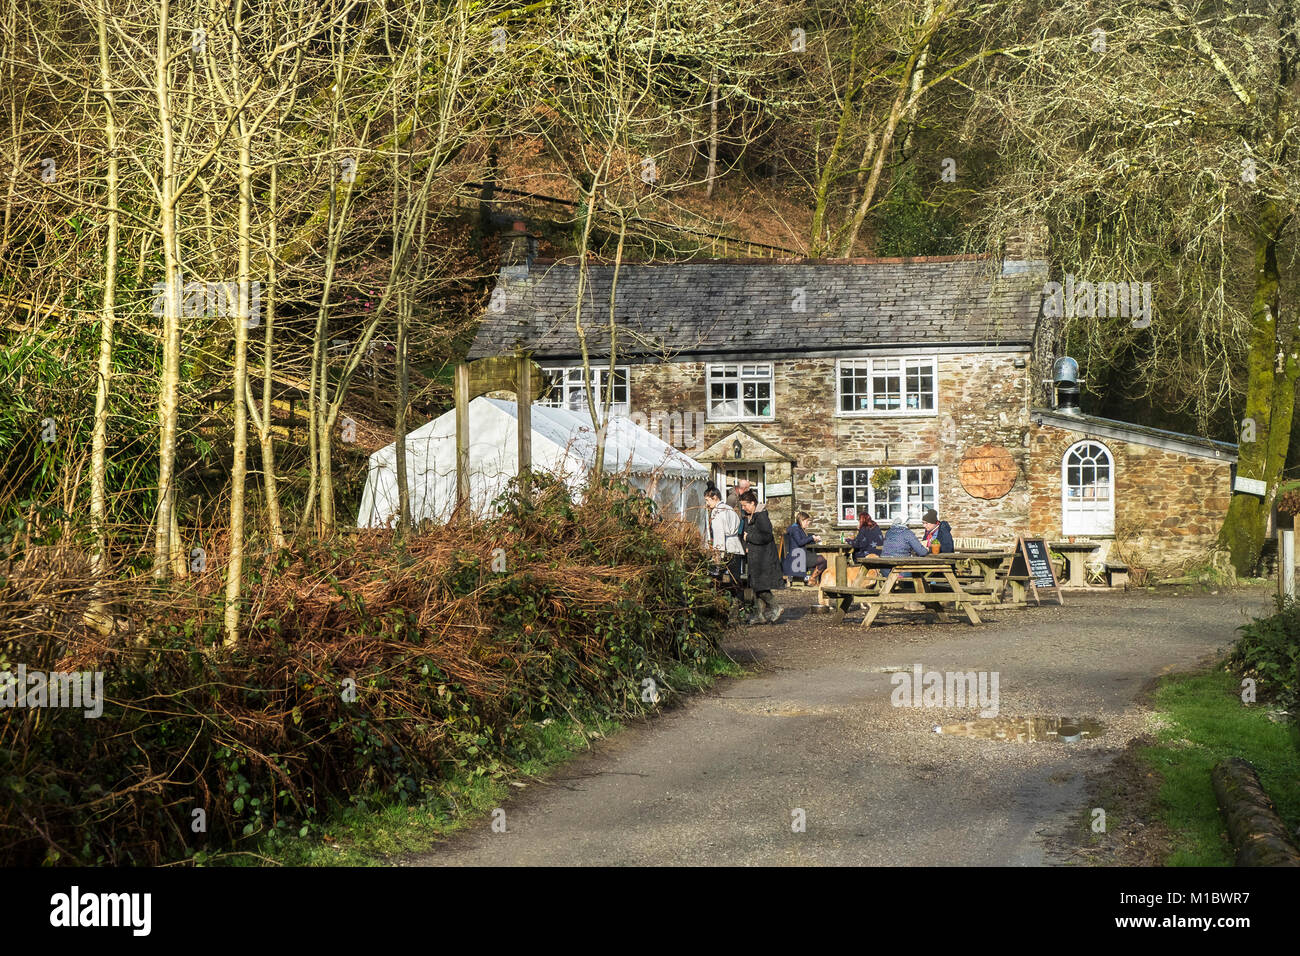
[
  {"x": 888, "y": 386},
  {"x": 568, "y": 391},
  {"x": 914, "y": 490},
  {"x": 1087, "y": 489},
  {"x": 740, "y": 392}
]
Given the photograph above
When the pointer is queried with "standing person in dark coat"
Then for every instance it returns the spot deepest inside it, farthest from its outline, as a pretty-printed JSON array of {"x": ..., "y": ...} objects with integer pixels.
[{"x": 764, "y": 565}]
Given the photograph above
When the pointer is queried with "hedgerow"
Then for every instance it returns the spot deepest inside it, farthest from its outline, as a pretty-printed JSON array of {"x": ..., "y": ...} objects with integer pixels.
[
  {"x": 368, "y": 670},
  {"x": 1268, "y": 650}
]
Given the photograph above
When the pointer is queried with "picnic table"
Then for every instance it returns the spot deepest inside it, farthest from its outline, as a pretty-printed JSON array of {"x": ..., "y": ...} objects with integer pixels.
[
  {"x": 994, "y": 576},
  {"x": 1075, "y": 554},
  {"x": 992, "y": 563},
  {"x": 918, "y": 569}
]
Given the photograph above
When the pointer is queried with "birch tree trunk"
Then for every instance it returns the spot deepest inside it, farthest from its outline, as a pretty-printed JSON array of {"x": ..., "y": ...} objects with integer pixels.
[
  {"x": 15, "y": 129},
  {"x": 165, "y": 547},
  {"x": 265, "y": 435},
  {"x": 99, "y": 434},
  {"x": 607, "y": 402},
  {"x": 713, "y": 132},
  {"x": 239, "y": 465}
]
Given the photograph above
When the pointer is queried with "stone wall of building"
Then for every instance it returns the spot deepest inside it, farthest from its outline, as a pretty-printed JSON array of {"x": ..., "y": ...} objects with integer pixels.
[
  {"x": 1169, "y": 505},
  {"x": 982, "y": 399}
]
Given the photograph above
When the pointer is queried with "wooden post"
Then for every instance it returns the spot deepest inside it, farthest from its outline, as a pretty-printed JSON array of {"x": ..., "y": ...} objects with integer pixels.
[
  {"x": 462, "y": 435},
  {"x": 1286, "y": 564},
  {"x": 524, "y": 401}
]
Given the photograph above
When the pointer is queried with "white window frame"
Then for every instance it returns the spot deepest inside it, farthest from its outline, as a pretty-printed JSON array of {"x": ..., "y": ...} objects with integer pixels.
[
  {"x": 869, "y": 365},
  {"x": 1092, "y": 520},
  {"x": 570, "y": 382},
  {"x": 909, "y": 507},
  {"x": 713, "y": 372}
]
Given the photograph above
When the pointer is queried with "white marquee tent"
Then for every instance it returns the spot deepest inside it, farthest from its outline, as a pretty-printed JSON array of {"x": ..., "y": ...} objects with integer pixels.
[{"x": 564, "y": 443}]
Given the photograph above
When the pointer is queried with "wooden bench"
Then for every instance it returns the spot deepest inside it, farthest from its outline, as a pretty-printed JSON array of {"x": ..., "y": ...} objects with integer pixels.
[
  {"x": 1018, "y": 584},
  {"x": 844, "y": 597},
  {"x": 917, "y": 571}
]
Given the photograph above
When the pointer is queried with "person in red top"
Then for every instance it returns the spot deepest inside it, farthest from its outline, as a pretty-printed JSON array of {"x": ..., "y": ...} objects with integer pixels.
[{"x": 869, "y": 540}]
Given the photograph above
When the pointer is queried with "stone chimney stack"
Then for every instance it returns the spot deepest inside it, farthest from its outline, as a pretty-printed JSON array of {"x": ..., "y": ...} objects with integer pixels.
[
  {"x": 1026, "y": 248},
  {"x": 518, "y": 247}
]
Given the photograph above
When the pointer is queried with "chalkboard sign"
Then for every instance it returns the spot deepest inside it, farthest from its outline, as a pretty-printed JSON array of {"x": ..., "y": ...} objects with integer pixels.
[{"x": 1033, "y": 560}]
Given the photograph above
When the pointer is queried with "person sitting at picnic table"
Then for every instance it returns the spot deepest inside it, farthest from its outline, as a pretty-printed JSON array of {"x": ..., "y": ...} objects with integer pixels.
[
  {"x": 936, "y": 531},
  {"x": 764, "y": 565},
  {"x": 900, "y": 542},
  {"x": 797, "y": 538},
  {"x": 869, "y": 539}
]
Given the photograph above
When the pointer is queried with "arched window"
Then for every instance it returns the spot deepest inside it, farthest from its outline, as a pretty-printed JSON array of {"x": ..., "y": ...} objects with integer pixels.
[{"x": 1088, "y": 489}]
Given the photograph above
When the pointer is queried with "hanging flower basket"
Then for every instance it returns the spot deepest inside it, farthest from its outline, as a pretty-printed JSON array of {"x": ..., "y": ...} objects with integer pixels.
[{"x": 882, "y": 478}]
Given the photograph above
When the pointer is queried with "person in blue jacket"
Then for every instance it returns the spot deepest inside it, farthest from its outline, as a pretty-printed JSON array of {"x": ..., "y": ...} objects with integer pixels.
[
  {"x": 900, "y": 542},
  {"x": 936, "y": 530},
  {"x": 797, "y": 539},
  {"x": 869, "y": 539}
]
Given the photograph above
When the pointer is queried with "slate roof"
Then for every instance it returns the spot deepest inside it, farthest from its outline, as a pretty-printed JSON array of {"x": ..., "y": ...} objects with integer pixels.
[
  {"x": 684, "y": 310},
  {"x": 1096, "y": 426}
]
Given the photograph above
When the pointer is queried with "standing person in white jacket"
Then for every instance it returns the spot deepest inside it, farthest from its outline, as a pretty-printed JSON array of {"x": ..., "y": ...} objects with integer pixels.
[{"x": 724, "y": 538}]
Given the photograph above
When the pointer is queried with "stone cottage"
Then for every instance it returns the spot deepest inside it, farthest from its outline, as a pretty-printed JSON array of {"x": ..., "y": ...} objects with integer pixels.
[{"x": 805, "y": 376}]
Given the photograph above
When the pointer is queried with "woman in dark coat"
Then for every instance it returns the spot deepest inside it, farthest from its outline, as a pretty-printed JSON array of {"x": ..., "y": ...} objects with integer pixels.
[
  {"x": 764, "y": 565},
  {"x": 870, "y": 539},
  {"x": 797, "y": 538}
]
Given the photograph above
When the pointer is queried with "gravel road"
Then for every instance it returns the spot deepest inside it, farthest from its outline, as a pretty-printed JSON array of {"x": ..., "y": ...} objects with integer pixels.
[{"x": 813, "y": 735}]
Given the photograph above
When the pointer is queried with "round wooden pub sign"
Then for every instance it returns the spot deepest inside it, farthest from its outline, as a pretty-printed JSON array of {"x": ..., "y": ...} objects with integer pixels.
[{"x": 987, "y": 471}]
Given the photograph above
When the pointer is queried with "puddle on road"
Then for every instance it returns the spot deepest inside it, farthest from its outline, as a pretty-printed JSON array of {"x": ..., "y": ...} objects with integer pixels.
[{"x": 1024, "y": 730}]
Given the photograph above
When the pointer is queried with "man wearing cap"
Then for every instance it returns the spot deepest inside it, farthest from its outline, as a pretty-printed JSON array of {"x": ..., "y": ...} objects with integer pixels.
[{"x": 936, "y": 530}]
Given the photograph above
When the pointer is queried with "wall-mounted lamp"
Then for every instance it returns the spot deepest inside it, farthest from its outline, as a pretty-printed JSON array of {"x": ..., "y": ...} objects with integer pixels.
[{"x": 736, "y": 450}]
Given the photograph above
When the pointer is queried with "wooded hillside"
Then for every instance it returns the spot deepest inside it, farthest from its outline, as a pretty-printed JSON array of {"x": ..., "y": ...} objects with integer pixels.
[{"x": 297, "y": 206}]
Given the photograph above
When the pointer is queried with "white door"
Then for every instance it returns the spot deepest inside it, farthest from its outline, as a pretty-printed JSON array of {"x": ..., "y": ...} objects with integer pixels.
[{"x": 1088, "y": 489}]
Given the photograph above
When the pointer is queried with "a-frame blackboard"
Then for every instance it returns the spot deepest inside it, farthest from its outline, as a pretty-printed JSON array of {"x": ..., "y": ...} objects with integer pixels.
[{"x": 1032, "y": 559}]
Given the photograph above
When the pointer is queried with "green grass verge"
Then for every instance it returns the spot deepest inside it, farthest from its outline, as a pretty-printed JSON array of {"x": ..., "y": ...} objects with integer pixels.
[
  {"x": 376, "y": 834},
  {"x": 1206, "y": 723}
]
